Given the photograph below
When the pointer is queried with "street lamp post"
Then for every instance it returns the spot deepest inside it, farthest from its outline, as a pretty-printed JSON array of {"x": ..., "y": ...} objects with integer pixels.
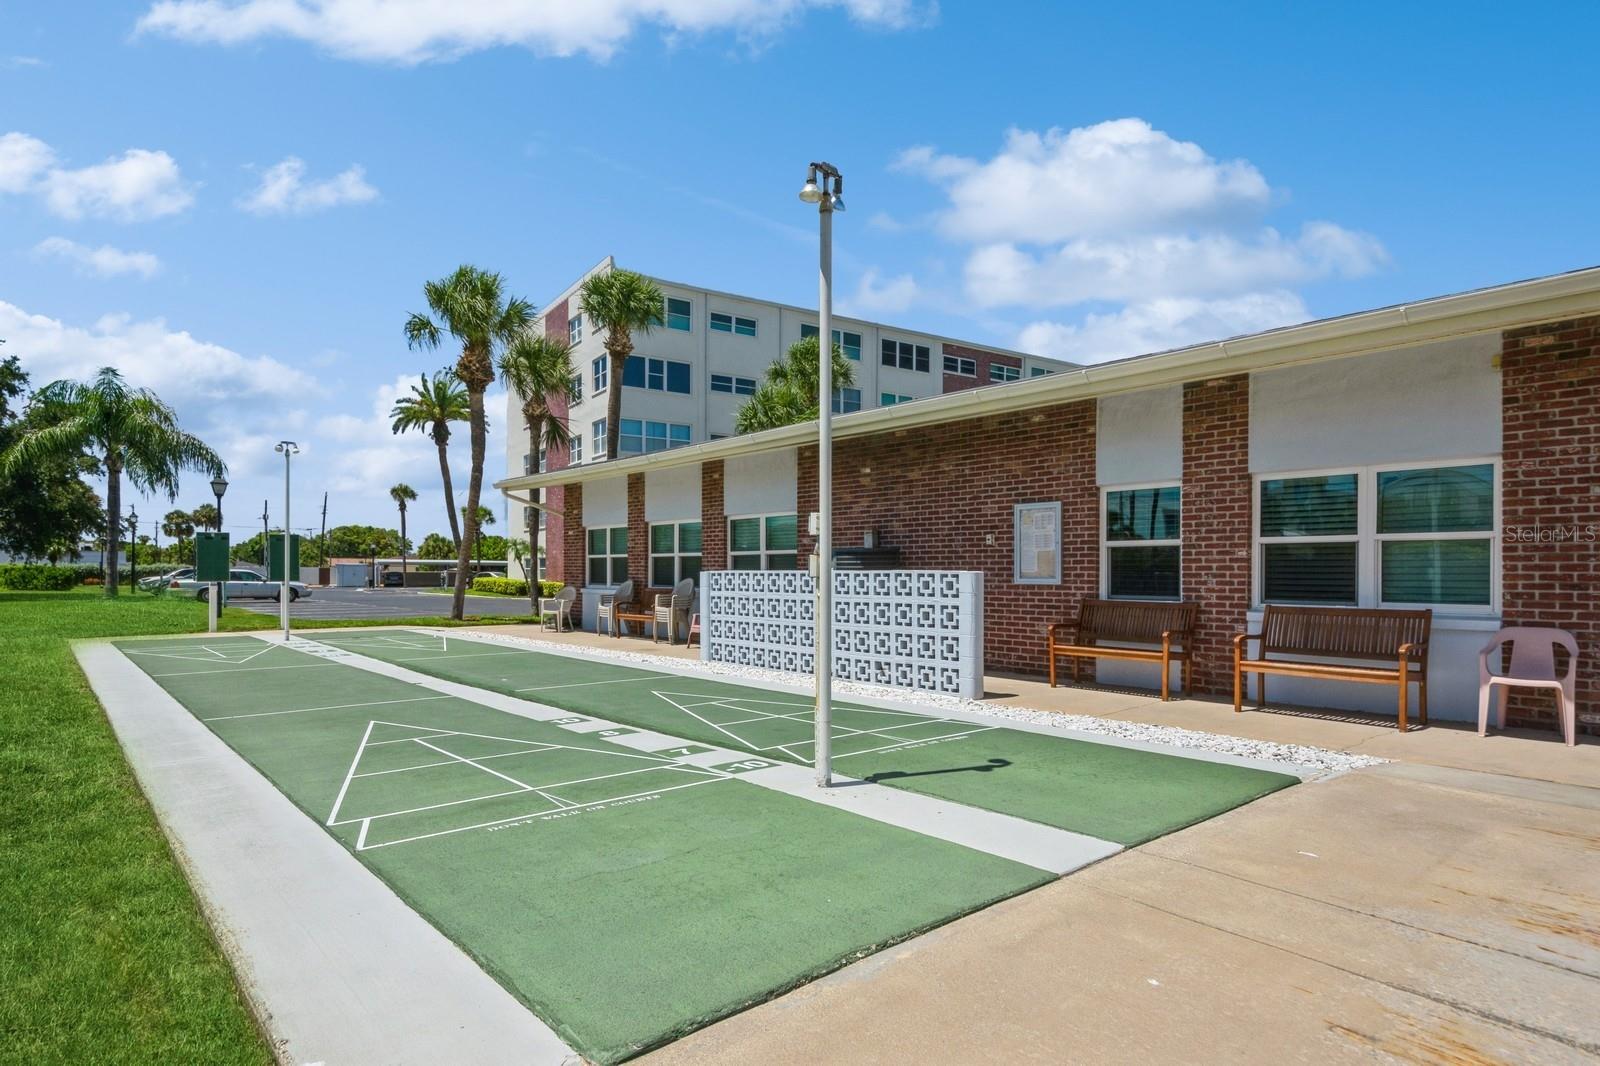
[
  {"x": 219, "y": 485},
  {"x": 133, "y": 552},
  {"x": 822, "y": 562},
  {"x": 219, "y": 589},
  {"x": 288, "y": 448}
]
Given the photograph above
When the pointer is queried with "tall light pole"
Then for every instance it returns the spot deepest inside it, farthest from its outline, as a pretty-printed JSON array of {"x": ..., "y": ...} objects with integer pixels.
[
  {"x": 822, "y": 562},
  {"x": 133, "y": 551},
  {"x": 288, "y": 448},
  {"x": 219, "y": 589}
]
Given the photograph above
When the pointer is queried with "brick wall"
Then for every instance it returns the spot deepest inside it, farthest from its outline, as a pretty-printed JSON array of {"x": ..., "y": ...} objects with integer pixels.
[
  {"x": 638, "y": 537},
  {"x": 573, "y": 561},
  {"x": 1550, "y": 507},
  {"x": 944, "y": 496},
  {"x": 958, "y": 382},
  {"x": 713, "y": 518},
  {"x": 1216, "y": 522}
]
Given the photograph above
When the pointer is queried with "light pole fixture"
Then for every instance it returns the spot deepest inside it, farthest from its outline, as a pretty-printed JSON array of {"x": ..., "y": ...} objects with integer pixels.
[
  {"x": 219, "y": 485},
  {"x": 827, "y": 201},
  {"x": 288, "y": 448},
  {"x": 133, "y": 551}
]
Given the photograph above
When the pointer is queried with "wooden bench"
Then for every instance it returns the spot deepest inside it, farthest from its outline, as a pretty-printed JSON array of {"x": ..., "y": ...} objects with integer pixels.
[
  {"x": 631, "y": 613},
  {"x": 1304, "y": 635},
  {"x": 1125, "y": 623}
]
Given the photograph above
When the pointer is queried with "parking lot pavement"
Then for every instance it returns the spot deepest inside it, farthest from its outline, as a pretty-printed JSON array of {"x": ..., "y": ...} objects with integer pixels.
[{"x": 383, "y": 603}]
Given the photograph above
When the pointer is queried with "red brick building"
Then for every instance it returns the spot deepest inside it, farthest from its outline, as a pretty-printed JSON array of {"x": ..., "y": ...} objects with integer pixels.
[{"x": 1443, "y": 453}]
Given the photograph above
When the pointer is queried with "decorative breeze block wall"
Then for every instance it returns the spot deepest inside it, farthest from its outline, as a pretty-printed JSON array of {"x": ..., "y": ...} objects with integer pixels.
[{"x": 919, "y": 629}]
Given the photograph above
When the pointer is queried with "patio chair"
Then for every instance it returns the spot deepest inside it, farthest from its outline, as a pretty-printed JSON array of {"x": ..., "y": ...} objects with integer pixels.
[
  {"x": 683, "y": 604},
  {"x": 613, "y": 604},
  {"x": 554, "y": 610},
  {"x": 1533, "y": 665}
]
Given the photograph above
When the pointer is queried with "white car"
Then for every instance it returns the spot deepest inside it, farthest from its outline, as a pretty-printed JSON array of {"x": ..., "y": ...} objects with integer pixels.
[
  {"x": 155, "y": 580},
  {"x": 241, "y": 585}
]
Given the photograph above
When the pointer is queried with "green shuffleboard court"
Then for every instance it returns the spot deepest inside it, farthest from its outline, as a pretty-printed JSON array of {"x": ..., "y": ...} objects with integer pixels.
[
  {"x": 1125, "y": 795},
  {"x": 626, "y": 896}
]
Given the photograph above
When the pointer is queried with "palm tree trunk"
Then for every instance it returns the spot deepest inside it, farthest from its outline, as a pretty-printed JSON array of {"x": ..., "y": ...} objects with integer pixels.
[
  {"x": 458, "y": 604},
  {"x": 113, "y": 522},
  {"x": 618, "y": 346},
  {"x": 449, "y": 491},
  {"x": 402, "y": 545}
]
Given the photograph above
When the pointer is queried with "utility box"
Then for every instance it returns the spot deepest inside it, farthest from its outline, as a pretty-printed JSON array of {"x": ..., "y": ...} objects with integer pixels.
[
  {"x": 275, "y": 557},
  {"x": 210, "y": 556}
]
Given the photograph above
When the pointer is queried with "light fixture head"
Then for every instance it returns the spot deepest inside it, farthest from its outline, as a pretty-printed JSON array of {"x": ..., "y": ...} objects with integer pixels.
[
  {"x": 811, "y": 192},
  {"x": 219, "y": 485},
  {"x": 836, "y": 201},
  {"x": 288, "y": 446}
]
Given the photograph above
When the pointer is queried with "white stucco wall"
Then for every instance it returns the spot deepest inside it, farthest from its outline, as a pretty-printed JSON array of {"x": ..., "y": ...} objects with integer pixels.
[
  {"x": 672, "y": 495},
  {"x": 759, "y": 484},
  {"x": 605, "y": 502},
  {"x": 1432, "y": 401},
  {"x": 1140, "y": 437}
]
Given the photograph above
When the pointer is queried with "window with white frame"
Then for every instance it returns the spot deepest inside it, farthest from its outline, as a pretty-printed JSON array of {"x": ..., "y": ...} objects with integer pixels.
[
  {"x": 601, "y": 373},
  {"x": 846, "y": 401},
  {"x": 732, "y": 383},
  {"x": 679, "y": 314},
  {"x": 1142, "y": 550},
  {"x": 849, "y": 343},
  {"x": 637, "y": 436},
  {"x": 964, "y": 365},
  {"x": 726, "y": 323},
  {"x": 763, "y": 542},
  {"x": 905, "y": 355},
  {"x": 575, "y": 391},
  {"x": 574, "y": 329},
  {"x": 608, "y": 555},
  {"x": 1002, "y": 372},
  {"x": 657, "y": 375},
  {"x": 574, "y": 450},
  {"x": 598, "y": 437},
  {"x": 1039, "y": 372},
  {"x": 889, "y": 399},
  {"x": 674, "y": 553},
  {"x": 1395, "y": 535}
]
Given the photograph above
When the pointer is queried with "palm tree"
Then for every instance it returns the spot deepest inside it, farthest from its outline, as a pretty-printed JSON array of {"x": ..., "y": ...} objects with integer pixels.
[
  {"x": 485, "y": 518},
  {"x": 472, "y": 307},
  {"x": 205, "y": 516},
  {"x": 619, "y": 302},
  {"x": 401, "y": 494},
  {"x": 431, "y": 407},
  {"x": 788, "y": 393},
  {"x": 179, "y": 525},
  {"x": 127, "y": 431},
  {"x": 536, "y": 368}
]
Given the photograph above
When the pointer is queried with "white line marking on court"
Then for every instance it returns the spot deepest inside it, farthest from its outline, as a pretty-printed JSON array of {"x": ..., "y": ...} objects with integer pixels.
[
  {"x": 575, "y": 684},
  {"x": 427, "y": 765},
  {"x": 246, "y": 670},
  {"x": 433, "y": 806},
  {"x": 349, "y": 775},
  {"x": 707, "y": 721},
  {"x": 330, "y": 707},
  {"x": 462, "y": 758}
]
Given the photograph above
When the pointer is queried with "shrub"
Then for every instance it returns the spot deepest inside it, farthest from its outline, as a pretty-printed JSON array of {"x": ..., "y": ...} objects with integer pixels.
[
  {"x": 550, "y": 588},
  {"x": 38, "y": 577},
  {"x": 512, "y": 586}
]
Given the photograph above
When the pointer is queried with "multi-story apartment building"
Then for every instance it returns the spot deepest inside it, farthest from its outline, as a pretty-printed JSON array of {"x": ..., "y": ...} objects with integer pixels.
[{"x": 688, "y": 377}]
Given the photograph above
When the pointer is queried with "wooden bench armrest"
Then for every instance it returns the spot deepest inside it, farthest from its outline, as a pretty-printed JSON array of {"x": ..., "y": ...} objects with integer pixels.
[
  {"x": 1070, "y": 625},
  {"x": 1240, "y": 639},
  {"x": 1414, "y": 651}
]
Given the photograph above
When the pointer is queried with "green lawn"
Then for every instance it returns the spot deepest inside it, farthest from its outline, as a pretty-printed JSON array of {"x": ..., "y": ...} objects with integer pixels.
[{"x": 103, "y": 954}]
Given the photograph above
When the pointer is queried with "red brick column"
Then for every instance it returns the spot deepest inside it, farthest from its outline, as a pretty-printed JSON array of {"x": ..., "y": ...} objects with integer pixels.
[
  {"x": 1550, "y": 507},
  {"x": 713, "y": 518},
  {"x": 805, "y": 501},
  {"x": 574, "y": 561},
  {"x": 638, "y": 537},
  {"x": 554, "y": 538},
  {"x": 1216, "y": 522}
]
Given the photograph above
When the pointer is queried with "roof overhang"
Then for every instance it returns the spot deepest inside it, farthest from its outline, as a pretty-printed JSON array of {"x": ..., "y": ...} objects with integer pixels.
[{"x": 1501, "y": 307}]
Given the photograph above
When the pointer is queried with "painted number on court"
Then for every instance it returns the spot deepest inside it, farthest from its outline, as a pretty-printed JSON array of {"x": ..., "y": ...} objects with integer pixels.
[
  {"x": 683, "y": 752},
  {"x": 568, "y": 721},
  {"x": 615, "y": 732},
  {"x": 743, "y": 766}
]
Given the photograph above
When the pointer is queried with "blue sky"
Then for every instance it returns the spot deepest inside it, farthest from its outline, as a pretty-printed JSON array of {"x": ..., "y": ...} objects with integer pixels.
[{"x": 237, "y": 202}]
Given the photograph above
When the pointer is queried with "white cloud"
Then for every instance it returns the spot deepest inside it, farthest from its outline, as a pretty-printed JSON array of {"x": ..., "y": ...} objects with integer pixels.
[
  {"x": 19, "y": 62},
  {"x": 1116, "y": 177},
  {"x": 1160, "y": 324},
  {"x": 181, "y": 369},
  {"x": 284, "y": 190},
  {"x": 23, "y": 160},
  {"x": 1146, "y": 267},
  {"x": 877, "y": 294},
  {"x": 102, "y": 262},
  {"x": 139, "y": 184},
  {"x": 413, "y": 31}
]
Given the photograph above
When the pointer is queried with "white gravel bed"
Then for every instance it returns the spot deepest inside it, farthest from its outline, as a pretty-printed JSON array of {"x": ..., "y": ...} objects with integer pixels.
[{"x": 1298, "y": 755}]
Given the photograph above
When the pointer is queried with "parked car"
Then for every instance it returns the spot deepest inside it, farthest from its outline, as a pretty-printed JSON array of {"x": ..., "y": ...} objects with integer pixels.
[
  {"x": 155, "y": 581},
  {"x": 241, "y": 585}
]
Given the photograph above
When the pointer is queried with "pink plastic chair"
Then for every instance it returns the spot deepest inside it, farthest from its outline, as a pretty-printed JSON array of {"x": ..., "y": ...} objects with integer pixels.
[{"x": 1533, "y": 665}]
